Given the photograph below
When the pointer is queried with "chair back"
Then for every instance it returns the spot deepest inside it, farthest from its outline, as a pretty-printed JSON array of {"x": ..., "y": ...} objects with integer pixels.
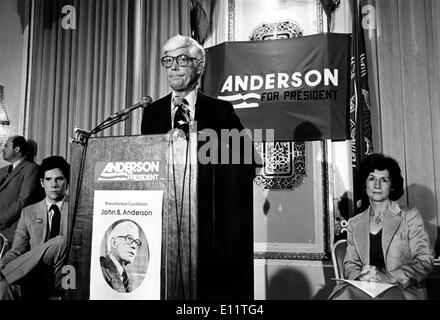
[
  {"x": 4, "y": 244},
  {"x": 338, "y": 254}
]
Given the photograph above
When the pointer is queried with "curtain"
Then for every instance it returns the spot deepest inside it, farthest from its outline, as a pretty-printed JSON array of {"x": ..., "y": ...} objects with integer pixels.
[
  {"x": 408, "y": 85},
  {"x": 202, "y": 14},
  {"x": 81, "y": 76},
  {"x": 220, "y": 24}
]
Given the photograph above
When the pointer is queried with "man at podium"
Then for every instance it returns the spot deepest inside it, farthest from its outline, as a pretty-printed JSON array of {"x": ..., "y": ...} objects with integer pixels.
[{"x": 225, "y": 214}]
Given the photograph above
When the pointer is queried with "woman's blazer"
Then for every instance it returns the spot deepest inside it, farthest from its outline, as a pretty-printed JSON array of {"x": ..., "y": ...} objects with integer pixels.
[{"x": 408, "y": 253}]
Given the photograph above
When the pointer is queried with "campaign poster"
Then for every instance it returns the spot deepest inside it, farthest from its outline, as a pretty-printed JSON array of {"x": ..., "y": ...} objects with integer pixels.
[{"x": 126, "y": 245}]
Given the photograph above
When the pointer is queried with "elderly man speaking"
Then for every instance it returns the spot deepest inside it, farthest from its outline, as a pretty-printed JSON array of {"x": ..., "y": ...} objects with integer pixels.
[{"x": 225, "y": 239}]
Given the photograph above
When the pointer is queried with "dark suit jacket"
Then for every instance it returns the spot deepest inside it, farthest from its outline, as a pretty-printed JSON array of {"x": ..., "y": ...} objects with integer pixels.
[
  {"x": 20, "y": 189},
  {"x": 32, "y": 229},
  {"x": 225, "y": 205},
  {"x": 112, "y": 276}
]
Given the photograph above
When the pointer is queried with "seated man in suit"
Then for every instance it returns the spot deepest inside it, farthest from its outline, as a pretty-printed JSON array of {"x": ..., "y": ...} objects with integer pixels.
[
  {"x": 122, "y": 245},
  {"x": 19, "y": 186},
  {"x": 39, "y": 245},
  {"x": 225, "y": 246}
]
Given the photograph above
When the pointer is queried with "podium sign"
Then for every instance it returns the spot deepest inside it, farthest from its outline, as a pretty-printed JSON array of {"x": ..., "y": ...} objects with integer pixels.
[{"x": 127, "y": 224}]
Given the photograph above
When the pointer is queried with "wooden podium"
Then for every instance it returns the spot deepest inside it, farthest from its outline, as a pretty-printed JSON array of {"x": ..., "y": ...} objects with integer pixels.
[
  {"x": 178, "y": 175},
  {"x": 210, "y": 205}
]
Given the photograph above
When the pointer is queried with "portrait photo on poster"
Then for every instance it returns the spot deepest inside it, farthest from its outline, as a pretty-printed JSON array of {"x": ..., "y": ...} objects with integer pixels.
[{"x": 124, "y": 255}]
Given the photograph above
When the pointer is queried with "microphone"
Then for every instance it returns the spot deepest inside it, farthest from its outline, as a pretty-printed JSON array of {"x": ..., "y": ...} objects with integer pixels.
[
  {"x": 79, "y": 135},
  {"x": 80, "y": 131},
  {"x": 144, "y": 102}
]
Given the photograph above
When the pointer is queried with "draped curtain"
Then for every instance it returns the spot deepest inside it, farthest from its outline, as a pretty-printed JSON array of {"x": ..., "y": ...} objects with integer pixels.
[
  {"x": 81, "y": 76},
  {"x": 407, "y": 63}
]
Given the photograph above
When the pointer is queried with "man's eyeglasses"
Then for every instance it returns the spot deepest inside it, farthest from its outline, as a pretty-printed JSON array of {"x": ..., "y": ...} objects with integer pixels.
[
  {"x": 182, "y": 60},
  {"x": 129, "y": 240}
]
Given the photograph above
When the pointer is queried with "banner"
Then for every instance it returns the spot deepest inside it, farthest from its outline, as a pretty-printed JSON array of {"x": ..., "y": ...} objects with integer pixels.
[
  {"x": 126, "y": 238},
  {"x": 296, "y": 86}
]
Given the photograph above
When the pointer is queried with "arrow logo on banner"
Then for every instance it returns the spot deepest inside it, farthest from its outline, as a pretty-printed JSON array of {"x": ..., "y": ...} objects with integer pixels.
[{"x": 236, "y": 98}]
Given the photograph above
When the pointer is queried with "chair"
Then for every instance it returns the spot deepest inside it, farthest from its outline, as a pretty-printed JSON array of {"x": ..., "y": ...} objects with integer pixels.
[
  {"x": 338, "y": 254},
  {"x": 4, "y": 244}
]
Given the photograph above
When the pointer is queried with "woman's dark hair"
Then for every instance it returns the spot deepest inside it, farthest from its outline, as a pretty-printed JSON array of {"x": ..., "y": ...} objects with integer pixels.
[
  {"x": 55, "y": 162},
  {"x": 381, "y": 162}
]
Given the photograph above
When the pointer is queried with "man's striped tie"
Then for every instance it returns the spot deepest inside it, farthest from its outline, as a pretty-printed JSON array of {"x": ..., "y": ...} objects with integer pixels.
[{"x": 125, "y": 281}]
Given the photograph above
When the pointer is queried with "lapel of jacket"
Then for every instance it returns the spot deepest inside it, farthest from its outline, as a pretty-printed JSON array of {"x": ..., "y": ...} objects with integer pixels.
[
  {"x": 166, "y": 113},
  {"x": 158, "y": 119},
  {"x": 199, "y": 115},
  {"x": 391, "y": 223},
  {"x": 40, "y": 220},
  {"x": 14, "y": 172},
  {"x": 65, "y": 217},
  {"x": 361, "y": 231},
  {"x": 114, "y": 274}
]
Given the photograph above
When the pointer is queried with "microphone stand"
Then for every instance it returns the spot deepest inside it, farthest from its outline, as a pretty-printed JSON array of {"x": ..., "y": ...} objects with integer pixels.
[{"x": 82, "y": 138}]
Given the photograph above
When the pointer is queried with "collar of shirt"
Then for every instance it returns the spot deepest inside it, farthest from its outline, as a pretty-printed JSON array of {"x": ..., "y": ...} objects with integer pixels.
[
  {"x": 118, "y": 265},
  {"x": 60, "y": 205},
  {"x": 191, "y": 98},
  {"x": 16, "y": 163}
]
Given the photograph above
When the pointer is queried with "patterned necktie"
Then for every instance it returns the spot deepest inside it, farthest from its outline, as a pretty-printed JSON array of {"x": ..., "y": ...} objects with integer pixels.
[
  {"x": 56, "y": 218},
  {"x": 7, "y": 173},
  {"x": 125, "y": 281},
  {"x": 180, "y": 120}
]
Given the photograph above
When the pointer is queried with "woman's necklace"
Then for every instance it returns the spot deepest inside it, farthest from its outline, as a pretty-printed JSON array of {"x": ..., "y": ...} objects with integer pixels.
[{"x": 377, "y": 218}]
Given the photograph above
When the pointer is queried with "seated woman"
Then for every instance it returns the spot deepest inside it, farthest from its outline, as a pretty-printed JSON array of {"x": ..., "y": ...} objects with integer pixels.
[{"x": 391, "y": 238}]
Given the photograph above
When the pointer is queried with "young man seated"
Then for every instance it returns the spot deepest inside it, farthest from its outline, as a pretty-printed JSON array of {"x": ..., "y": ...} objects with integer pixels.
[{"x": 33, "y": 264}]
